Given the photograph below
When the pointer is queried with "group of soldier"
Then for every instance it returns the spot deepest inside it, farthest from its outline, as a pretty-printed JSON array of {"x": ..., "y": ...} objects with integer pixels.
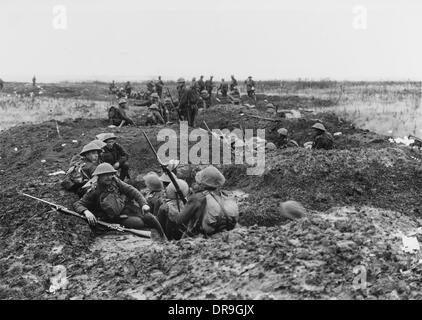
[
  {"x": 162, "y": 110},
  {"x": 103, "y": 166},
  {"x": 174, "y": 210},
  {"x": 321, "y": 138},
  {"x": 169, "y": 204}
]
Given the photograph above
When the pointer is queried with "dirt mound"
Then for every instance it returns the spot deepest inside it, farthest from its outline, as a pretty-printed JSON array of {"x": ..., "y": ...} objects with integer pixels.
[{"x": 384, "y": 178}]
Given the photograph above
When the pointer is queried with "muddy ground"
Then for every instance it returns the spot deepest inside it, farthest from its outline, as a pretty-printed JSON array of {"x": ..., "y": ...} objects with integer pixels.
[{"x": 359, "y": 197}]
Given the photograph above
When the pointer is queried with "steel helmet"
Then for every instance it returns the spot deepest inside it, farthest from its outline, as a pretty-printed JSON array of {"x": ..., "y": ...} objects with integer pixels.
[
  {"x": 210, "y": 177},
  {"x": 270, "y": 105},
  {"x": 180, "y": 80},
  {"x": 153, "y": 107},
  {"x": 153, "y": 182},
  {"x": 109, "y": 136},
  {"x": 167, "y": 100},
  {"x": 104, "y": 168},
  {"x": 122, "y": 101},
  {"x": 319, "y": 126},
  {"x": 90, "y": 147},
  {"x": 171, "y": 189},
  {"x": 99, "y": 143},
  {"x": 292, "y": 209},
  {"x": 282, "y": 131},
  {"x": 155, "y": 95},
  {"x": 270, "y": 146}
]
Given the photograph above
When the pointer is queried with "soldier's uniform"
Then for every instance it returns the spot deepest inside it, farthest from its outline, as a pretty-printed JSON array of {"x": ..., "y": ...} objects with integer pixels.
[
  {"x": 172, "y": 111},
  {"x": 117, "y": 203},
  {"x": 119, "y": 115},
  {"x": 188, "y": 220},
  {"x": 154, "y": 117},
  {"x": 323, "y": 139},
  {"x": 250, "y": 87},
  {"x": 150, "y": 87},
  {"x": 283, "y": 141},
  {"x": 187, "y": 104},
  {"x": 128, "y": 89},
  {"x": 224, "y": 88},
  {"x": 233, "y": 84},
  {"x": 201, "y": 84},
  {"x": 286, "y": 143},
  {"x": 117, "y": 154},
  {"x": 159, "y": 85},
  {"x": 156, "y": 194},
  {"x": 209, "y": 85}
]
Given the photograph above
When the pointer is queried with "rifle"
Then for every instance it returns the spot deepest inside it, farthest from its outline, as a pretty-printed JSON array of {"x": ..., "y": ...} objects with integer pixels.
[
  {"x": 117, "y": 227},
  {"x": 166, "y": 170},
  {"x": 218, "y": 136}
]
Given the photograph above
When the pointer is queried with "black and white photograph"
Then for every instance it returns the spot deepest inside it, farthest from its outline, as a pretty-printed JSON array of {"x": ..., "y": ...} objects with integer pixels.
[{"x": 228, "y": 152}]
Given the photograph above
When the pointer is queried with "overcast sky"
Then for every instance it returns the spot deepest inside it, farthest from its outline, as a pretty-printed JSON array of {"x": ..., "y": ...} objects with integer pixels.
[{"x": 268, "y": 39}]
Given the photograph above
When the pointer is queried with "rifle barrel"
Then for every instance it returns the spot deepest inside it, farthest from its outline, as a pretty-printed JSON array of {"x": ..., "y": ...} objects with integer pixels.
[
  {"x": 166, "y": 170},
  {"x": 140, "y": 233}
]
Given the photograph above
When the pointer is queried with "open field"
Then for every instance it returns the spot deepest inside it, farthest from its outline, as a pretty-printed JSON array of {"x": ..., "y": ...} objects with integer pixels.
[
  {"x": 359, "y": 198},
  {"x": 389, "y": 108}
]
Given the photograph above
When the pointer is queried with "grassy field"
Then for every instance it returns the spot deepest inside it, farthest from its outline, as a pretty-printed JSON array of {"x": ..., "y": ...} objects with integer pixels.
[{"x": 390, "y": 108}]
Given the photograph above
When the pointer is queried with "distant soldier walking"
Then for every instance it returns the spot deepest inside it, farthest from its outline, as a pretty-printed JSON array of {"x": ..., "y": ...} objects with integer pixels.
[
  {"x": 187, "y": 102},
  {"x": 194, "y": 84},
  {"x": 250, "y": 87},
  {"x": 233, "y": 83},
  {"x": 159, "y": 87},
  {"x": 209, "y": 85},
  {"x": 201, "y": 84},
  {"x": 223, "y": 88},
  {"x": 150, "y": 87},
  {"x": 34, "y": 81},
  {"x": 112, "y": 88},
  {"x": 128, "y": 89},
  {"x": 1, "y": 84}
]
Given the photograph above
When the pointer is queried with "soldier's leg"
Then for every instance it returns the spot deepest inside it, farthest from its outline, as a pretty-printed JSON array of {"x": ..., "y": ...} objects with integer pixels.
[
  {"x": 194, "y": 112},
  {"x": 172, "y": 230},
  {"x": 189, "y": 114},
  {"x": 124, "y": 170},
  {"x": 136, "y": 220}
]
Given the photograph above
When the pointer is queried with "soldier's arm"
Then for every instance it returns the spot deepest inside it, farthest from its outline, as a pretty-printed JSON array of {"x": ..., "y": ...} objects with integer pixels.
[
  {"x": 317, "y": 143},
  {"x": 190, "y": 211},
  {"x": 125, "y": 117},
  {"x": 87, "y": 202},
  {"x": 123, "y": 155},
  {"x": 131, "y": 192}
]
